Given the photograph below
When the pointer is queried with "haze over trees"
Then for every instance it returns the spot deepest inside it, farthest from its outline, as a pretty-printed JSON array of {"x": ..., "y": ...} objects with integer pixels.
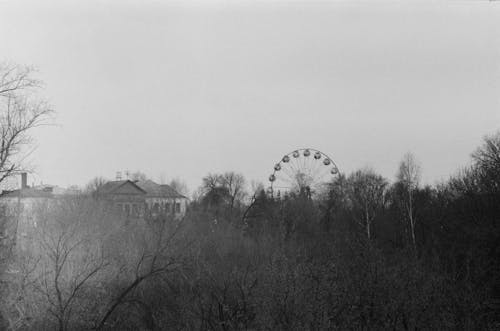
[{"x": 366, "y": 253}]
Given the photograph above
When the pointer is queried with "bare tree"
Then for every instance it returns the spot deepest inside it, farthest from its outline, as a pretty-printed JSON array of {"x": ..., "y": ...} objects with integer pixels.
[
  {"x": 20, "y": 112},
  {"x": 140, "y": 176},
  {"x": 213, "y": 193},
  {"x": 409, "y": 177},
  {"x": 235, "y": 184},
  {"x": 179, "y": 185},
  {"x": 94, "y": 185},
  {"x": 366, "y": 196},
  {"x": 486, "y": 161},
  {"x": 65, "y": 256},
  {"x": 225, "y": 189},
  {"x": 151, "y": 256}
]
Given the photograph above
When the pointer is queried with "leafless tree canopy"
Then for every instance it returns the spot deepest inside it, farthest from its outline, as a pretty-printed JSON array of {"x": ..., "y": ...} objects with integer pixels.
[
  {"x": 20, "y": 111},
  {"x": 180, "y": 186},
  {"x": 140, "y": 176},
  {"x": 409, "y": 171},
  {"x": 367, "y": 196},
  {"x": 94, "y": 185},
  {"x": 409, "y": 179},
  {"x": 366, "y": 254},
  {"x": 486, "y": 161},
  {"x": 223, "y": 189}
]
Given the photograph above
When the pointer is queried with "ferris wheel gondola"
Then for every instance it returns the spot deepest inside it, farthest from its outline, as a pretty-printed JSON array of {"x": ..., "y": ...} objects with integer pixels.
[{"x": 302, "y": 170}]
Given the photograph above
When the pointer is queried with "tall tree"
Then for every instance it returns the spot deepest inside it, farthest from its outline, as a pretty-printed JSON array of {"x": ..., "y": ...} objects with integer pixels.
[
  {"x": 213, "y": 192},
  {"x": 94, "y": 185},
  {"x": 225, "y": 191},
  {"x": 20, "y": 112},
  {"x": 366, "y": 196},
  {"x": 179, "y": 185},
  {"x": 408, "y": 179},
  {"x": 235, "y": 184},
  {"x": 486, "y": 163}
]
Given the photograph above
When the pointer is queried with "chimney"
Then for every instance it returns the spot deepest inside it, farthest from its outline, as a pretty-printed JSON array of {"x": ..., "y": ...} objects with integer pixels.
[{"x": 24, "y": 180}]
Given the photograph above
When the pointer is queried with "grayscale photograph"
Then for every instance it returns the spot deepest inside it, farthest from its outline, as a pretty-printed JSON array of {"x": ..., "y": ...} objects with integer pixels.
[{"x": 249, "y": 165}]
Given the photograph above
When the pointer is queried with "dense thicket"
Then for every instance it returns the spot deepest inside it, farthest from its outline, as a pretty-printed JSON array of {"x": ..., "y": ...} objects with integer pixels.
[{"x": 366, "y": 255}]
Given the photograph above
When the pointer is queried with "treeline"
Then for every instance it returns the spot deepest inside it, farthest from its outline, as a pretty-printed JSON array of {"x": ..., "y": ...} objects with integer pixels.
[{"x": 365, "y": 254}]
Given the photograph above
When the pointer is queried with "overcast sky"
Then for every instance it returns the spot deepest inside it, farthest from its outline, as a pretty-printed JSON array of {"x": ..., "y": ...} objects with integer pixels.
[{"x": 182, "y": 89}]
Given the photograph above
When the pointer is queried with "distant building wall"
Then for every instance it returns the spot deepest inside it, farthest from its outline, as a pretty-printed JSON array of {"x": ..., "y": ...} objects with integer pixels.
[
  {"x": 20, "y": 209},
  {"x": 169, "y": 206},
  {"x": 22, "y": 216}
]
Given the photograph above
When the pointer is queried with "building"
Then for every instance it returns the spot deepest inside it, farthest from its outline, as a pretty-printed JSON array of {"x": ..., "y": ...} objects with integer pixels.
[
  {"x": 163, "y": 198},
  {"x": 138, "y": 199},
  {"x": 18, "y": 211},
  {"x": 124, "y": 196},
  {"x": 132, "y": 199}
]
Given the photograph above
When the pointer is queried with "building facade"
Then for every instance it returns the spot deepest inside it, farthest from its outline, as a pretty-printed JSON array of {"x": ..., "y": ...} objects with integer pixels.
[
  {"x": 143, "y": 200},
  {"x": 18, "y": 212},
  {"x": 139, "y": 199}
]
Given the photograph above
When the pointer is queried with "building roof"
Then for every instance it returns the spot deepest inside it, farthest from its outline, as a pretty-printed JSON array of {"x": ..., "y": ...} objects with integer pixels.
[
  {"x": 159, "y": 191},
  {"x": 58, "y": 191},
  {"x": 27, "y": 193},
  {"x": 112, "y": 187}
]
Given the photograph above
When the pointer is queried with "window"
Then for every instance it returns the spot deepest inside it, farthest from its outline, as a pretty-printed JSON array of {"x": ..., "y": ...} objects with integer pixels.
[
  {"x": 167, "y": 208},
  {"x": 177, "y": 207},
  {"x": 135, "y": 210},
  {"x": 156, "y": 208},
  {"x": 127, "y": 209}
]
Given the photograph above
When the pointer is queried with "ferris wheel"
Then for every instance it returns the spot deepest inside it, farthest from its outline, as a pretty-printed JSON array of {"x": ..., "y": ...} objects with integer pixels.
[{"x": 303, "y": 170}]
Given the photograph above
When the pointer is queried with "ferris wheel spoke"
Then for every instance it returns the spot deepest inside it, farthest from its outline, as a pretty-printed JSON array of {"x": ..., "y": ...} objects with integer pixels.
[
  {"x": 320, "y": 173},
  {"x": 297, "y": 168},
  {"x": 303, "y": 168},
  {"x": 290, "y": 182},
  {"x": 324, "y": 173},
  {"x": 304, "y": 163},
  {"x": 286, "y": 176},
  {"x": 307, "y": 169},
  {"x": 314, "y": 168},
  {"x": 287, "y": 172},
  {"x": 303, "y": 171},
  {"x": 311, "y": 166},
  {"x": 298, "y": 163},
  {"x": 324, "y": 170},
  {"x": 295, "y": 162},
  {"x": 294, "y": 166},
  {"x": 317, "y": 165}
]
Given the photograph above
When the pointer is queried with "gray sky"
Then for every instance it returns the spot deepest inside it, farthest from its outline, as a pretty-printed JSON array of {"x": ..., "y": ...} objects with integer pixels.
[{"x": 182, "y": 89}]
